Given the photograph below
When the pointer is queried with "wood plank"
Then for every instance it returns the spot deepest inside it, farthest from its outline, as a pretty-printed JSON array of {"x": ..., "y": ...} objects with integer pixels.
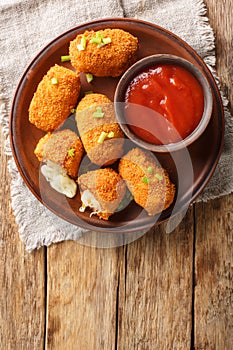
[
  {"x": 82, "y": 296},
  {"x": 21, "y": 279},
  {"x": 214, "y": 221},
  {"x": 220, "y": 14},
  {"x": 155, "y": 300},
  {"x": 214, "y": 275}
]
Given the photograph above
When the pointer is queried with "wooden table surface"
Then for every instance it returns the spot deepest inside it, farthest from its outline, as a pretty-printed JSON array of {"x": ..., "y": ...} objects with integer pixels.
[{"x": 159, "y": 292}]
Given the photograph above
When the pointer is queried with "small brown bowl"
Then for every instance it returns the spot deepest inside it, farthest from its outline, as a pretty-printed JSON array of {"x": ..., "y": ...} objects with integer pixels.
[{"x": 139, "y": 67}]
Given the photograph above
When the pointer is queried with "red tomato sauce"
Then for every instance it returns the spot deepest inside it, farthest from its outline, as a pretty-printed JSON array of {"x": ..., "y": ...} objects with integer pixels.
[{"x": 174, "y": 101}]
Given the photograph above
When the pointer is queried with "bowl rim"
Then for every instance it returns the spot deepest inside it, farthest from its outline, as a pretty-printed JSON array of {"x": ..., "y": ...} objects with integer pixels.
[{"x": 147, "y": 62}]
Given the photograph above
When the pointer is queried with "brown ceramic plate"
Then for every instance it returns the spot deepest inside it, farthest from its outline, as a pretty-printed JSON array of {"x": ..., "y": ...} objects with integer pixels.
[{"x": 190, "y": 169}]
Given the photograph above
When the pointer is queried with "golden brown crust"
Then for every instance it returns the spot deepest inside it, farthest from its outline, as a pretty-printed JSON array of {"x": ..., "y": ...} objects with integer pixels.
[
  {"x": 107, "y": 187},
  {"x": 90, "y": 129},
  {"x": 87, "y": 106},
  {"x": 92, "y": 99},
  {"x": 107, "y": 152},
  {"x": 40, "y": 147},
  {"x": 52, "y": 103},
  {"x": 62, "y": 147},
  {"x": 110, "y": 60},
  {"x": 73, "y": 159},
  {"x": 147, "y": 181}
]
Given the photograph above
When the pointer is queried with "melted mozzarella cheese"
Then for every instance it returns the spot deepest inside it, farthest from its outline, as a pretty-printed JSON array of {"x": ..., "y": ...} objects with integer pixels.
[
  {"x": 58, "y": 179},
  {"x": 88, "y": 200}
]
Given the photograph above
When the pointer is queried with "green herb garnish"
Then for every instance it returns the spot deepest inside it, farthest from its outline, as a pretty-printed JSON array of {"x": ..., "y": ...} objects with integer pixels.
[
  {"x": 102, "y": 137},
  {"x": 89, "y": 77},
  {"x": 150, "y": 170},
  {"x": 106, "y": 41},
  {"x": 159, "y": 177},
  {"x": 145, "y": 180},
  {"x": 71, "y": 152},
  {"x": 98, "y": 113},
  {"x": 54, "y": 81},
  {"x": 83, "y": 44},
  {"x": 99, "y": 40},
  {"x": 65, "y": 58},
  {"x": 111, "y": 134}
]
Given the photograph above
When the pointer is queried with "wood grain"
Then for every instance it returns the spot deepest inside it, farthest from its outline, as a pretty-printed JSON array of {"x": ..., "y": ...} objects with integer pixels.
[
  {"x": 142, "y": 296},
  {"x": 213, "y": 304},
  {"x": 155, "y": 300},
  {"x": 82, "y": 297},
  {"x": 92, "y": 292},
  {"x": 159, "y": 292},
  {"x": 214, "y": 275},
  {"x": 221, "y": 19},
  {"x": 22, "y": 317}
]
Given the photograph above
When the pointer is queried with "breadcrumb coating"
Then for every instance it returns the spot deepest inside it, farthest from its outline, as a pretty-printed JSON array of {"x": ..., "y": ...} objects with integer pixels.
[
  {"x": 91, "y": 128},
  {"x": 63, "y": 148},
  {"x": 148, "y": 182},
  {"x": 41, "y": 145},
  {"x": 111, "y": 59},
  {"x": 55, "y": 97},
  {"x": 107, "y": 187}
]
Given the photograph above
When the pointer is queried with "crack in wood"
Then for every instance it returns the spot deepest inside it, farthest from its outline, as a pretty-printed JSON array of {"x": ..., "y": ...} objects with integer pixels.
[{"x": 117, "y": 311}]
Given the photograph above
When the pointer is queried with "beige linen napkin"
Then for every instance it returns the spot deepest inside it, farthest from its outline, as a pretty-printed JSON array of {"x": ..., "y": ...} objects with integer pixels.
[{"x": 27, "y": 26}]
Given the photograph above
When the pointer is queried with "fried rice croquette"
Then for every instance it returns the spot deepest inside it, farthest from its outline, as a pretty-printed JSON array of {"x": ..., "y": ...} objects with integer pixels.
[
  {"x": 101, "y": 190},
  {"x": 108, "y": 52},
  {"x": 102, "y": 137},
  {"x": 55, "y": 97},
  {"x": 63, "y": 148},
  {"x": 148, "y": 182},
  {"x": 60, "y": 153}
]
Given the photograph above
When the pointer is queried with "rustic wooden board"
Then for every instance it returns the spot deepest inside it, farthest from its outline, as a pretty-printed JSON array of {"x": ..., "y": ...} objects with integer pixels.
[
  {"x": 213, "y": 305},
  {"x": 159, "y": 292},
  {"x": 155, "y": 299},
  {"x": 142, "y": 294},
  {"x": 22, "y": 317},
  {"x": 82, "y": 297},
  {"x": 126, "y": 297}
]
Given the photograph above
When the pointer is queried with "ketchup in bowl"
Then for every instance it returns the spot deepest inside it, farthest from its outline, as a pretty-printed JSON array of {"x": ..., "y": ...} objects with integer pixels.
[{"x": 174, "y": 102}]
